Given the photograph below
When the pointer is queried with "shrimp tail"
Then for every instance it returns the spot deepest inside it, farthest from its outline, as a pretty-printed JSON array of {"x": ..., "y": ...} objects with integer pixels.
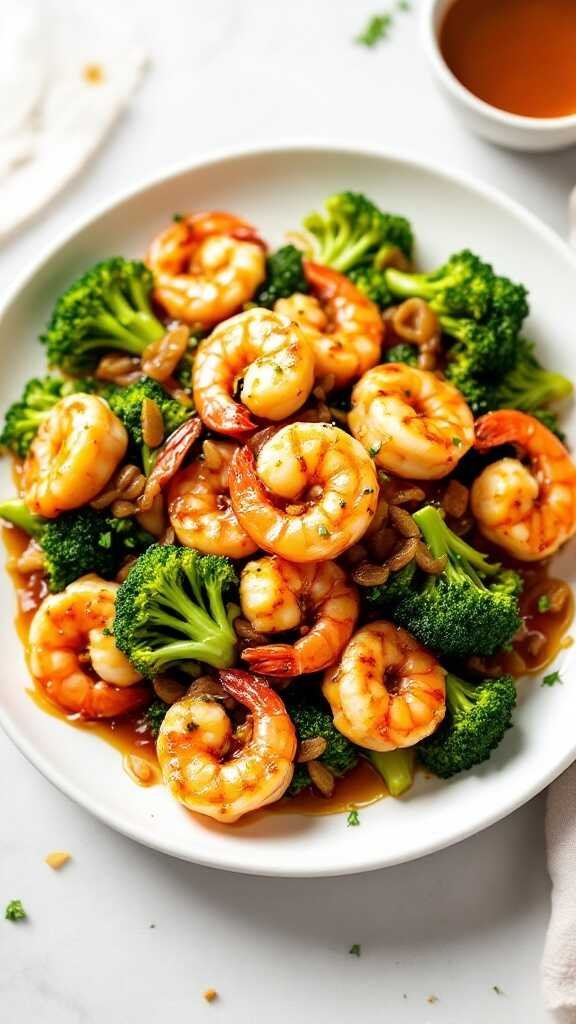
[
  {"x": 273, "y": 659},
  {"x": 252, "y": 691},
  {"x": 230, "y": 419},
  {"x": 505, "y": 426}
]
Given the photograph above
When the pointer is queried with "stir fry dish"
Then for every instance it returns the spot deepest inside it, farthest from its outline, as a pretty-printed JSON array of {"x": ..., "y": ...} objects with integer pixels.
[{"x": 286, "y": 517}]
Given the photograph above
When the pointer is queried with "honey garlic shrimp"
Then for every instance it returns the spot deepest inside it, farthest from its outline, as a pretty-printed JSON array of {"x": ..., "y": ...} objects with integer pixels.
[
  {"x": 206, "y": 266},
  {"x": 418, "y": 426},
  {"x": 309, "y": 494},
  {"x": 211, "y": 771},
  {"x": 276, "y": 596},
  {"x": 527, "y": 508},
  {"x": 268, "y": 354},
  {"x": 67, "y": 636},
  {"x": 388, "y": 691},
  {"x": 78, "y": 447},
  {"x": 344, "y": 328},
  {"x": 199, "y": 505}
]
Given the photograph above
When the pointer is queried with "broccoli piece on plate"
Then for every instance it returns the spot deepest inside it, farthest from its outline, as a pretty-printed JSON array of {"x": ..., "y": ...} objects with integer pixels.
[
  {"x": 107, "y": 308},
  {"x": 477, "y": 717},
  {"x": 284, "y": 276},
  {"x": 126, "y": 403},
  {"x": 351, "y": 231},
  {"x": 469, "y": 608},
  {"x": 396, "y": 768},
  {"x": 313, "y": 718},
  {"x": 171, "y": 610},
  {"x": 401, "y": 353},
  {"x": 78, "y": 542},
  {"x": 372, "y": 283}
]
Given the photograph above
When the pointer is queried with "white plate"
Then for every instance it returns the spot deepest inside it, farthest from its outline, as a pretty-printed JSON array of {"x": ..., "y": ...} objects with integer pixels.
[{"x": 273, "y": 188}]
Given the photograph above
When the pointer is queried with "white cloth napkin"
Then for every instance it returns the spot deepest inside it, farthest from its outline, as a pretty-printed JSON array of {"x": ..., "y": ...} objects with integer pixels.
[
  {"x": 66, "y": 72},
  {"x": 559, "y": 964}
]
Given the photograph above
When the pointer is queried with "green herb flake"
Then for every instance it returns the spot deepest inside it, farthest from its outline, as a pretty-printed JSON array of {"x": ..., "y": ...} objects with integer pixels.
[
  {"x": 352, "y": 818},
  {"x": 497, "y": 990},
  {"x": 374, "y": 449},
  {"x": 457, "y": 441},
  {"x": 375, "y": 31},
  {"x": 355, "y": 949},
  {"x": 105, "y": 540},
  {"x": 177, "y": 217},
  {"x": 323, "y": 531},
  {"x": 551, "y": 679},
  {"x": 543, "y": 603},
  {"x": 15, "y": 911}
]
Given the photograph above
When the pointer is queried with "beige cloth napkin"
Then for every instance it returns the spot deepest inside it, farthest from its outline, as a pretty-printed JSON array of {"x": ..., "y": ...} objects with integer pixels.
[
  {"x": 559, "y": 963},
  {"x": 66, "y": 72}
]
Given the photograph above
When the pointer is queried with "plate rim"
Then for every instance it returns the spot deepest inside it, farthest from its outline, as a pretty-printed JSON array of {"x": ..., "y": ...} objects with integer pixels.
[{"x": 229, "y": 860}]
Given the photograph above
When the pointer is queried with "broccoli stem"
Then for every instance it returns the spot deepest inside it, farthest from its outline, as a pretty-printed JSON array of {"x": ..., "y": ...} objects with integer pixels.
[
  {"x": 459, "y": 694},
  {"x": 442, "y": 541},
  {"x": 396, "y": 768},
  {"x": 205, "y": 640},
  {"x": 14, "y": 511},
  {"x": 406, "y": 285}
]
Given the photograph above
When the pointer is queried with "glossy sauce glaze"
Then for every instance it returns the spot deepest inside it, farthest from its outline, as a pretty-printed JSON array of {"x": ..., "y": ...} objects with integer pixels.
[
  {"x": 541, "y": 640},
  {"x": 518, "y": 55}
]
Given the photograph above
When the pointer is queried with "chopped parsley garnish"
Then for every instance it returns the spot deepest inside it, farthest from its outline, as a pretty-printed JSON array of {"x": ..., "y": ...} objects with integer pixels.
[
  {"x": 551, "y": 679},
  {"x": 376, "y": 30},
  {"x": 355, "y": 949},
  {"x": 323, "y": 531},
  {"x": 15, "y": 911},
  {"x": 457, "y": 441},
  {"x": 544, "y": 603},
  {"x": 177, "y": 217},
  {"x": 374, "y": 449},
  {"x": 497, "y": 990},
  {"x": 352, "y": 818}
]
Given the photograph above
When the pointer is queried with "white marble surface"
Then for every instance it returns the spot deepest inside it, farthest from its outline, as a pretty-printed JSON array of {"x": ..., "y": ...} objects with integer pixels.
[{"x": 452, "y": 926}]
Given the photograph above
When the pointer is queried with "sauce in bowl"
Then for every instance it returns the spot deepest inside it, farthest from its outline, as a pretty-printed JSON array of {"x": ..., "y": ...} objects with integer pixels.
[{"x": 517, "y": 55}]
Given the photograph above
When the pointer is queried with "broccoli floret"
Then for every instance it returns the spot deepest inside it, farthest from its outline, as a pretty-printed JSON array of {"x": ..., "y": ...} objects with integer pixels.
[
  {"x": 171, "y": 610},
  {"x": 107, "y": 308},
  {"x": 396, "y": 768},
  {"x": 284, "y": 276},
  {"x": 78, "y": 542},
  {"x": 126, "y": 403},
  {"x": 528, "y": 386},
  {"x": 351, "y": 231},
  {"x": 469, "y": 608},
  {"x": 372, "y": 283},
  {"x": 38, "y": 397},
  {"x": 480, "y": 312},
  {"x": 154, "y": 715},
  {"x": 313, "y": 718},
  {"x": 401, "y": 353},
  {"x": 477, "y": 716}
]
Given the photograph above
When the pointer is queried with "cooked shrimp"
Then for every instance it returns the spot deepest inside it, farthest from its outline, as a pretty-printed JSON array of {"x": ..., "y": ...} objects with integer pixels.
[
  {"x": 529, "y": 509},
  {"x": 199, "y": 505},
  {"x": 67, "y": 637},
  {"x": 310, "y": 493},
  {"x": 211, "y": 771},
  {"x": 418, "y": 426},
  {"x": 74, "y": 454},
  {"x": 344, "y": 328},
  {"x": 388, "y": 691},
  {"x": 276, "y": 596},
  {"x": 268, "y": 354},
  {"x": 206, "y": 266}
]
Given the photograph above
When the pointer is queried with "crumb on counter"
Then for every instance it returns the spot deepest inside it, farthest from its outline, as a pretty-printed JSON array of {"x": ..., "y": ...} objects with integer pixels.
[
  {"x": 210, "y": 995},
  {"x": 93, "y": 74},
  {"x": 432, "y": 999},
  {"x": 57, "y": 859}
]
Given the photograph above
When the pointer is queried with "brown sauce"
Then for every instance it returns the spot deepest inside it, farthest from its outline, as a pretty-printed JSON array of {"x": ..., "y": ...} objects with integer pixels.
[
  {"x": 363, "y": 786},
  {"x": 517, "y": 55}
]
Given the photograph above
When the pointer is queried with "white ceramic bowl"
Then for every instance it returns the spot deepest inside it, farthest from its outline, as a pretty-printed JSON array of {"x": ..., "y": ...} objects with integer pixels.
[
  {"x": 274, "y": 188},
  {"x": 512, "y": 130}
]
